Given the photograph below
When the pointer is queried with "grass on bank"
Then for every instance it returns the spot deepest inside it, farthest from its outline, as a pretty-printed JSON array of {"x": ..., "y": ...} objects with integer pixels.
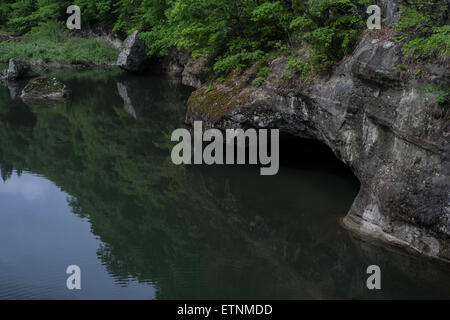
[{"x": 50, "y": 43}]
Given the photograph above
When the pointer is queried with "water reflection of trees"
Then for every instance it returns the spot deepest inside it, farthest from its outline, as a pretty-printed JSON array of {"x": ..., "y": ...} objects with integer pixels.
[
  {"x": 201, "y": 233},
  {"x": 118, "y": 172}
]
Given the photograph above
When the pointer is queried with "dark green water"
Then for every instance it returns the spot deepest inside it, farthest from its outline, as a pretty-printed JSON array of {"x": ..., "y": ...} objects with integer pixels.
[{"x": 90, "y": 183}]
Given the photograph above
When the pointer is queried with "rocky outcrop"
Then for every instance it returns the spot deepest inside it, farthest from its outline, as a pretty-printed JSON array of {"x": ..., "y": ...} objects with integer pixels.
[
  {"x": 134, "y": 57},
  {"x": 18, "y": 70},
  {"x": 377, "y": 118},
  {"x": 390, "y": 11},
  {"x": 44, "y": 90},
  {"x": 194, "y": 73}
]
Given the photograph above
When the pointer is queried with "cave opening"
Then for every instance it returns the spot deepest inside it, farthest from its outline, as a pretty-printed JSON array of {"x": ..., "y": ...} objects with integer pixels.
[
  {"x": 298, "y": 152},
  {"x": 313, "y": 189}
]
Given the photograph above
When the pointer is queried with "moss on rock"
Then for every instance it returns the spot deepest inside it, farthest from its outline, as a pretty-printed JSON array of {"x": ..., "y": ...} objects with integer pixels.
[
  {"x": 215, "y": 101},
  {"x": 44, "y": 89}
]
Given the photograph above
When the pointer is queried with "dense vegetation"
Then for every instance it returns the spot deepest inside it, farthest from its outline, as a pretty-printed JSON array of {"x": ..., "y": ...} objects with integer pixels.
[
  {"x": 49, "y": 44},
  {"x": 423, "y": 27},
  {"x": 234, "y": 33}
]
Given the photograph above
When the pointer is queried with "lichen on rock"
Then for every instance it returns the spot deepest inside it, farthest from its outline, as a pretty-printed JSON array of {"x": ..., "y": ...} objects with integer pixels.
[{"x": 44, "y": 90}]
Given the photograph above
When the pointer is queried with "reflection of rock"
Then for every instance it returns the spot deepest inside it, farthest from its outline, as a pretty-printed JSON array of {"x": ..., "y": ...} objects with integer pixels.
[
  {"x": 142, "y": 96},
  {"x": 134, "y": 55},
  {"x": 15, "y": 88},
  {"x": 306, "y": 236},
  {"x": 44, "y": 90},
  {"x": 18, "y": 70},
  {"x": 122, "y": 89}
]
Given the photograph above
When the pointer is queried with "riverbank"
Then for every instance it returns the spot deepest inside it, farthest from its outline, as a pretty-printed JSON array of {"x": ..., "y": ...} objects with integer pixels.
[{"x": 54, "y": 48}]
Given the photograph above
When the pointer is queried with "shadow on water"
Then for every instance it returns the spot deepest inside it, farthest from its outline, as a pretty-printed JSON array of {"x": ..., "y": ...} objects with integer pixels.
[{"x": 198, "y": 232}]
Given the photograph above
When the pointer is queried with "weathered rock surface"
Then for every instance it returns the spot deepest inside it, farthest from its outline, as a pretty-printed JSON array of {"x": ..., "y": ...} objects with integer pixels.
[
  {"x": 376, "y": 119},
  {"x": 390, "y": 11},
  {"x": 43, "y": 91},
  {"x": 194, "y": 73},
  {"x": 134, "y": 57},
  {"x": 18, "y": 70}
]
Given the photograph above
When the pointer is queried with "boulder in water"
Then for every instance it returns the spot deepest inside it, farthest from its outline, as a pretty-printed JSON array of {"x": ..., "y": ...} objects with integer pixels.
[
  {"x": 44, "y": 90},
  {"x": 134, "y": 57},
  {"x": 18, "y": 70}
]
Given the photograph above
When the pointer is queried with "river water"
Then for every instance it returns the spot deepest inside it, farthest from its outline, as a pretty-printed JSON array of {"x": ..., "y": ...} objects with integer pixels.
[{"x": 90, "y": 183}]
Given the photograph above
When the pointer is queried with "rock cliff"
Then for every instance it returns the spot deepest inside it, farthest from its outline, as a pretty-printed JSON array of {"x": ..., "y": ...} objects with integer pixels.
[{"x": 378, "y": 117}]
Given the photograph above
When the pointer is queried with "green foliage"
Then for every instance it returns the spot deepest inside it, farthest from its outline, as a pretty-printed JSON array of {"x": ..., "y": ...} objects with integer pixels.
[
  {"x": 236, "y": 33},
  {"x": 442, "y": 94},
  {"x": 443, "y": 99},
  {"x": 400, "y": 68},
  {"x": 50, "y": 43},
  {"x": 298, "y": 65},
  {"x": 422, "y": 30},
  {"x": 263, "y": 71},
  {"x": 22, "y": 15},
  {"x": 210, "y": 88},
  {"x": 238, "y": 60},
  {"x": 330, "y": 27},
  {"x": 259, "y": 81}
]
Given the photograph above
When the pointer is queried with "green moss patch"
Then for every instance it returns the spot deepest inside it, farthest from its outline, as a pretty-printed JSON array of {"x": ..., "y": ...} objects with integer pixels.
[
  {"x": 215, "y": 102},
  {"x": 44, "y": 86}
]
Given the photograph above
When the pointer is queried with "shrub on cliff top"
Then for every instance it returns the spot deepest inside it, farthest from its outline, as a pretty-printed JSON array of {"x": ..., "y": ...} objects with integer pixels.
[{"x": 423, "y": 30}]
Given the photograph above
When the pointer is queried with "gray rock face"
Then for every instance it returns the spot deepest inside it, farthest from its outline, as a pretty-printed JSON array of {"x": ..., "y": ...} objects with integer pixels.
[
  {"x": 376, "y": 119},
  {"x": 193, "y": 74},
  {"x": 134, "y": 57},
  {"x": 18, "y": 70},
  {"x": 390, "y": 12}
]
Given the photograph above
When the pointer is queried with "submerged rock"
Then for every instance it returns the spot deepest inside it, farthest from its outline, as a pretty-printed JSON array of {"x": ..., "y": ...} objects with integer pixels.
[
  {"x": 44, "y": 90},
  {"x": 18, "y": 70},
  {"x": 134, "y": 57}
]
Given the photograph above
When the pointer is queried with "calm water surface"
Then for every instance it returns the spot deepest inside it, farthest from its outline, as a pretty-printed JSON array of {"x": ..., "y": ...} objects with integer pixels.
[{"x": 90, "y": 183}]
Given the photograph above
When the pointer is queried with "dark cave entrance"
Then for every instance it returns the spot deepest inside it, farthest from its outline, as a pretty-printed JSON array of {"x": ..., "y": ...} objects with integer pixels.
[
  {"x": 298, "y": 152},
  {"x": 312, "y": 186}
]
